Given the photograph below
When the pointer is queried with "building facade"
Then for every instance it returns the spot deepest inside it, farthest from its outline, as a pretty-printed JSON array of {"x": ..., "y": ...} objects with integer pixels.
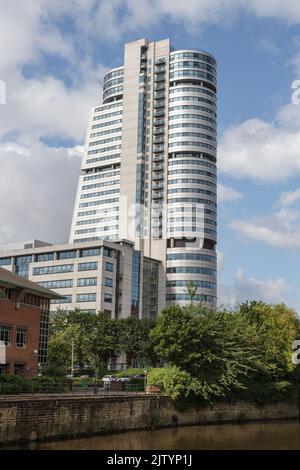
[
  {"x": 24, "y": 319},
  {"x": 96, "y": 276},
  {"x": 148, "y": 173}
]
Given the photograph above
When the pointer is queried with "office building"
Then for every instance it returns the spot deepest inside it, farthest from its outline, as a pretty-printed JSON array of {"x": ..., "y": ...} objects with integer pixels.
[
  {"x": 148, "y": 173},
  {"x": 96, "y": 276}
]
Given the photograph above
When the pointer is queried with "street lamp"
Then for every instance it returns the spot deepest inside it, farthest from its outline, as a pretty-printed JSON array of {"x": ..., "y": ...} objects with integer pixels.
[{"x": 145, "y": 383}]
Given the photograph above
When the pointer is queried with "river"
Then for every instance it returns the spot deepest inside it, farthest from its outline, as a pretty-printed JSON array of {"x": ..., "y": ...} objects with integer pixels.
[{"x": 257, "y": 435}]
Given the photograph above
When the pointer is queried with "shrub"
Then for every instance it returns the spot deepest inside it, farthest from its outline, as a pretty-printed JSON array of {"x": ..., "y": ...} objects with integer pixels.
[{"x": 174, "y": 382}]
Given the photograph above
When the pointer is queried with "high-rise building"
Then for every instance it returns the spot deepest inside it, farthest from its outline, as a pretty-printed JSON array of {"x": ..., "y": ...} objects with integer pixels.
[{"x": 148, "y": 173}]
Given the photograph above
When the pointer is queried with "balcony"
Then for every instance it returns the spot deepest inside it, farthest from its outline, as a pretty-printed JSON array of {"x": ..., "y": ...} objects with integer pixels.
[
  {"x": 158, "y": 167},
  {"x": 158, "y": 186},
  {"x": 159, "y": 104},
  {"x": 158, "y": 148},
  {"x": 158, "y": 158},
  {"x": 157, "y": 194},
  {"x": 159, "y": 87},
  {"x": 159, "y": 95},
  {"x": 159, "y": 78},
  {"x": 160, "y": 60},
  {"x": 159, "y": 113},
  {"x": 160, "y": 69},
  {"x": 159, "y": 122},
  {"x": 158, "y": 130}
]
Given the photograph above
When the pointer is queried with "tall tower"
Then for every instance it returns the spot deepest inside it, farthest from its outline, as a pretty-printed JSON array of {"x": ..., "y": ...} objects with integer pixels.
[{"x": 149, "y": 169}]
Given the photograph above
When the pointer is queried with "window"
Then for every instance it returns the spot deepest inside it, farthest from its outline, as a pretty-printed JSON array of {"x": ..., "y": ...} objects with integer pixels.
[
  {"x": 87, "y": 266},
  {"x": 67, "y": 254},
  {"x": 5, "y": 261},
  {"x": 90, "y": 252},
  {"x": 109, "y": 266},
  {"x": 21, "y": 337},
  {"x": 44, "y": 257},
  {"x": 86, "y": 298},
  {"x": 30, "y": 299},
  {"x": 107, "y": 298},
  {"x": 5, "y": 334},
  {"x": 5, "y": 294},
  {"x": 64, "y": 268},
  {"x": 67, "y": 299},
  {"x": 88, "y": 281},
  {"x": 60, "y": 284},
  {"x": 107, "y": 252},
  {"x": 108, "y": 282},
  {"x": 2, "y": 369}
]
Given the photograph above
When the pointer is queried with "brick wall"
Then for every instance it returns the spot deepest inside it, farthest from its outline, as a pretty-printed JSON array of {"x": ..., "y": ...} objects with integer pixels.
[
  {"x": 25, "y": 317},
  {"x": 57, "y": 418}
]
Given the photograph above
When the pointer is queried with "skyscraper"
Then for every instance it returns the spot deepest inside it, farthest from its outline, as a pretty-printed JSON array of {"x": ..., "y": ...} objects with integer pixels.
[{"x": 148, "y": 173}]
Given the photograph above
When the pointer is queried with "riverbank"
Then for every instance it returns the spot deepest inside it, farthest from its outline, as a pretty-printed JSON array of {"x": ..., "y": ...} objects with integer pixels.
[{"x": 66, "y": 417}]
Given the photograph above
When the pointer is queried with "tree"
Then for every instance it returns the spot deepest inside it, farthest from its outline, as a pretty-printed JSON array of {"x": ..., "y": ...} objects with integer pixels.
[
  {"x": 215, "y": 348},
  {"x": 135, "y": 340},
  {"x": 191, "y": 290}
]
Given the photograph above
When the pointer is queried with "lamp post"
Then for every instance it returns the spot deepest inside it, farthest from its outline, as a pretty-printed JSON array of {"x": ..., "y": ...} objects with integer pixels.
[
  {"x": 145, "y": 383},
  {"x": 72, "y": 360}
]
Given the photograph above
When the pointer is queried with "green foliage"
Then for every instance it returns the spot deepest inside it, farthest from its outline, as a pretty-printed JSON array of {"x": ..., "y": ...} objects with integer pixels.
[
  {"x": 226, "y": 353},
  {"x": 173, "y": 381},
  {"x": 13, "y": 385},
  {"x": 135, "y": 340},
  {"x": 129, "y": 372}
]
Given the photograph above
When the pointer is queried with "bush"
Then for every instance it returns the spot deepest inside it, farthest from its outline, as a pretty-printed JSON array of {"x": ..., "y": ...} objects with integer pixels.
[
  {"x": 173, "y": 381},
  {"x": 130, "y": 373},
  {"x": 13, "y": 385}
]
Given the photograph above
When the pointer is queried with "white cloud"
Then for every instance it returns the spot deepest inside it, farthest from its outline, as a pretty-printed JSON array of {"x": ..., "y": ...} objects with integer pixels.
[
  {"x": 279, "y": 229},
  {"x": 267, "y": 290},
  {"x": 225, "y": 193},
  {"x": 38, "y": 186},
  {"x": 261, "y": 150},
  {"x": 268, "y": 45}
]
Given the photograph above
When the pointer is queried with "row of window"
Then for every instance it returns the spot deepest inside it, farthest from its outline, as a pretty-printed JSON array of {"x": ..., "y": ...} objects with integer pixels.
[
  {"x": 97, "y": 221},
  {"x": 200, "y": 220},
  {"x": 191, "y": 256},
  {"x": 96, "y": 211},
  {"x": 105, "y": 149},
  {"x": 197, "y": 210},
  {"x": 194, "y": 125},
  {"x": 192, "y": 190},
  {"x": 197, "y": 283},
  {"x": 192, "y": 73},
  {"x": 105, "y": 141},
  {"x": 187, "y": 171},
  {"x": 106, "y": 124},
  {"x": 191, "y": 270},
  {"x": 100, "y": 185},
  {"x": 191, "y": 89},
  {"x": 101, "y": 174},
  {"x": 81, "y": 282},
  {"x": 97, "y": 203},
  {"x": 180, "y": 160},
  {"x": 192, "y": 98},
  {"x": 6, "y": 336},
  {"x": 109, "y": 131},
  {"x": 192, "y": 116},
  {"x": 104, "y": 107},
  {"x": 192, "y": 64},
  {"x": 192, "y": 55},
  {"x": 197, "y": 298},
  {"x": 114, "y": 73},
  {"x": 182, "y": 229},
  {"x": 192, "y": 144},
  {"x": 194, "y": 107},
  {"x": 106, "y": 228},
  {"x": 100, "y": 193},
  {"x": 116, "y": 90},
  {"x": 100, "y": 159},
  {"x": 192, "y": 181},
  {"x": 199, "y": 135},
  {"x": 112, "y": 81},
  {"x": 196, "y": 200}
]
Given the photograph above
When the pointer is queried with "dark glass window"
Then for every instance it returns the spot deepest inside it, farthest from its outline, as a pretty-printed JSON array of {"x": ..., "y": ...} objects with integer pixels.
[
  {"x": 21, "y": 337},
  {"x": 5, "y": 334},
  {"x": 135, "y": 283},
  {"x": 67, "y": 254},
  {"x": 5, "y": 261},
  {"x": 109, "y": 266},
  {"x": 44, "y": 257},
  {"x": 108, "y": 298},
  {"x": 90, "y": 252},
  {"x": 108, "y": 282},
  {"x": 87, "y": 266}
]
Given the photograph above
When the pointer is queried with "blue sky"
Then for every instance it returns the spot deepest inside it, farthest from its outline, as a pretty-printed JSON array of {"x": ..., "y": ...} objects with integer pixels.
[{"x": 52, "y": 59}]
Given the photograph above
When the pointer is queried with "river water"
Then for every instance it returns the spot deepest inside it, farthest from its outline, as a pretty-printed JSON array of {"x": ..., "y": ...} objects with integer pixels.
[{"x": 258, "y": 435}]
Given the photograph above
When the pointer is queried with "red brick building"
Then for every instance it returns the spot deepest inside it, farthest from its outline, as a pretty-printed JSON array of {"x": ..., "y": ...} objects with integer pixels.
[{"x": 24, "y": 319}]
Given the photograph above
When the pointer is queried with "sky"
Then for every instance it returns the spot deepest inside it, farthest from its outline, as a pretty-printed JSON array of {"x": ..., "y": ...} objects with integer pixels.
[{"x": 53, "y": 56}]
